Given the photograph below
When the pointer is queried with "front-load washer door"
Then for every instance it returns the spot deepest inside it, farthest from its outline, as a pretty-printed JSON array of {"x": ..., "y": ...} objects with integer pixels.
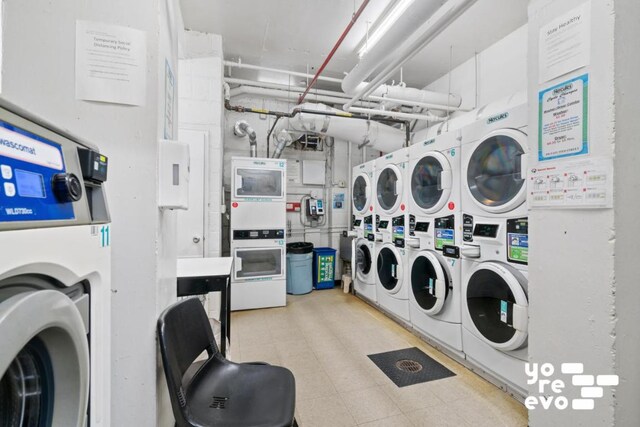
[
  {"x": 429, "y": 282},
  {"x": 364, "y": 261},
  {"x": 431, "y": 181},
  {"x": 44, "y": 361},
  {"x": 496, "y": 171},
  {"x": 390, "y": 271},
  {"x": 389, "y": 189},
  {"x": 362, "y": 193},
  {"x": 497, "y": 304}
]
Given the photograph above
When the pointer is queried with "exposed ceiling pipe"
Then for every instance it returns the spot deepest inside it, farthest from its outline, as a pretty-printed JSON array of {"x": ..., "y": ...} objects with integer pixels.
[
  {"x": 269, "y": 85},
  {"x": 372, "y": 133},
  {"x": 380, "y": 54},
  {"x": 354, "y": 18},
  {"x": 414, "y": 44},
  {"x": 242, "y": 128},
  {"x": 291, "y": 95},
  {"x": 426, "y": 105},
  {"x": 399, "y": 115},
  {"x": 240, "y": 64}
]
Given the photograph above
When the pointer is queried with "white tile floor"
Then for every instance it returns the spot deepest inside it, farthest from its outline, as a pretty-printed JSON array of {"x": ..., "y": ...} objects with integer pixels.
[{"x": 324, "y": 339}]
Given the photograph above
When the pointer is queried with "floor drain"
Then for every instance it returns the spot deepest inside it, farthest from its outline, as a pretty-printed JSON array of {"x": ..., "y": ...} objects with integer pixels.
[{"x": 408, "y": 365}]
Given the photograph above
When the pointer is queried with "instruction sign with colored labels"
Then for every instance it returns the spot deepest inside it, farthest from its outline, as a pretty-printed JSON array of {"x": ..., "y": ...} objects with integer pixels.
[
  {"x": 444, "y": 237},
  {"x": 563, "y": 120},
  {"x": 518, "y": 247},
  {"x": 325, "y": 268},
  {"x": 586, "y": 184}
]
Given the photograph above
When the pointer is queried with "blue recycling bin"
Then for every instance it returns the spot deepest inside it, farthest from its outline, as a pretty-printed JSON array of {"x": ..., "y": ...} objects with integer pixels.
[
  {"x": 299, "y": 268},
  {"x": 324, "y": 267}
]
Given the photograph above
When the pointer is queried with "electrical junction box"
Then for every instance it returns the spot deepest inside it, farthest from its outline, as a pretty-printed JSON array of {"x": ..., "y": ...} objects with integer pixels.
[
  {"x": 173, "y": 171},
  {"x": 313, "y": 172}
]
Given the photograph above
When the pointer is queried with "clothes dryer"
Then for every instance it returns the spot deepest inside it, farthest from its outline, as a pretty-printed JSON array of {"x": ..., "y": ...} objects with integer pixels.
[{"x": 54, "y": 278}]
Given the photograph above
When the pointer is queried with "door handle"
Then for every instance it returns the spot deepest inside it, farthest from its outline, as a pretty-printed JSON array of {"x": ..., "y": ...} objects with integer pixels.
[{"x": 196, "y": 239}]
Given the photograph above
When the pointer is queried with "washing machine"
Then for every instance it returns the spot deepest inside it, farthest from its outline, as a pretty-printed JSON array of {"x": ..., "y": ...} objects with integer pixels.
[
  {"x": 362, "y": 195},
  {"x": 391, "y": 224},
  {"x": 54, "y": 278},
  {"x": 435, "y": 235},
  {"x": 495, "y": 242}
]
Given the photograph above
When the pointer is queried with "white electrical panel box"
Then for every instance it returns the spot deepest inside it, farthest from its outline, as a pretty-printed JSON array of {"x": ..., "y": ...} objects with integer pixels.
[
  {"x": 313, "y": 172},
  {"x": 173, "y": 171}
]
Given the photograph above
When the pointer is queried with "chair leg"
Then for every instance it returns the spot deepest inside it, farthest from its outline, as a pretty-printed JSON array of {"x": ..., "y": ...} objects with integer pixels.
[{"x": 295, "y": 423}]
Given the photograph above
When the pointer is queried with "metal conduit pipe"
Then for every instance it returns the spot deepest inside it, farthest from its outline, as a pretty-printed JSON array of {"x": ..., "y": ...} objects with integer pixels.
[
  {"x": 242, "y": 128},
  {"x": 285, "y": 94},
  {"x": 414, "y": 44},
  {"x": 240, "y": 64}
]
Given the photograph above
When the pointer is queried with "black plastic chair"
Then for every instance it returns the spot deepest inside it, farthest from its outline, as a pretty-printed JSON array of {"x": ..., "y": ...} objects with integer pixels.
[{"x": 217, "y": 392}]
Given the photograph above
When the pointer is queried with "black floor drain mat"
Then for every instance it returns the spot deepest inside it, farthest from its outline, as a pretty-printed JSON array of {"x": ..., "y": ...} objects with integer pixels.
[{"x": 409, "y": 366}]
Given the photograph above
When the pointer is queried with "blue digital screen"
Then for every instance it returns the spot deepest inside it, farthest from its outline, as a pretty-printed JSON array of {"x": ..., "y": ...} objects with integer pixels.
[{"x": 30, "y": 184}]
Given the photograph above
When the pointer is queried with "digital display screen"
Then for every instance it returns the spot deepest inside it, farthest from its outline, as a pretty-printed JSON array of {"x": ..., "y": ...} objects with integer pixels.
[
  {"x": 445, "y": 223},
  {"x": 30, "y": 184},
  {"x": 422, "y": 227},
  {"x": 384, "y": 224},
  {"x": 486, "y": 230}
]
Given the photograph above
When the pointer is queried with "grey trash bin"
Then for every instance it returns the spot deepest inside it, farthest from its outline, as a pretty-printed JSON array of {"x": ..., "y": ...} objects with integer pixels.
[{"x": 299, "y": 268}]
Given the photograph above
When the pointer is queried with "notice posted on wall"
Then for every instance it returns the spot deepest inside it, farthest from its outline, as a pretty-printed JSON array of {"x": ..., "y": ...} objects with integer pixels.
[
  {"x": 563, "y": 128},
  {"x": 338, "y": 201},
  {"x": 572, "y": 184},
  {"x": 293, "y": 171},
  {"x": 564, "y": 44},
  {"x": 111, "y": 63}
]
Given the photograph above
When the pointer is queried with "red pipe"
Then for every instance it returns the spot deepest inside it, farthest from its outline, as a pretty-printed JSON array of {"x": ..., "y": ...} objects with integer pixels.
[{"x": 354, "y": 18}]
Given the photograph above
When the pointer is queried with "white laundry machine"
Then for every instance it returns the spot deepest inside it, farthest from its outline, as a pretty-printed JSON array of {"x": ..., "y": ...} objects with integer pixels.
[
  {"x": 435, "y": 235},
  {"x": 391, "y": 225},
  {"x": 362, "y": 197},
  {"x": 258, "y": 243},
  {"x": 495, "y": 242},
  {"x": 55, "y": 274}
]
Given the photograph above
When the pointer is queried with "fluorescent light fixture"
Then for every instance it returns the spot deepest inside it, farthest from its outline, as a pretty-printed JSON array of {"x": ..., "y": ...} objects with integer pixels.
[{"x": 393, "y": 15}]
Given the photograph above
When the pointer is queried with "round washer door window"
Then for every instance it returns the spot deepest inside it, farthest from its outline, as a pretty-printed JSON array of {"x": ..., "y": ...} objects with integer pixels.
[
  {"x": 428, "y": 190},
  {"x": 363, "y": 258},
  {"x": 429, "y": 283},
  {"x": 497, "y": 305},
  {"x": 361, "y": 191},
  {"x": 48, "y": 353},
  {"x": 389, "y": 189},
  {"x": 389, "y": 269},
  {"x": 494, "y": 172}
]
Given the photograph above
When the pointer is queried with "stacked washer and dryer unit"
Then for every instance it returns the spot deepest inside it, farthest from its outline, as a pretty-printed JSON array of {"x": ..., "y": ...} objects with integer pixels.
[
  {"x": 391, "y": 224},
  {"x": 363, "y": 195},
  {"x": 495, "y": 242},
  {"x": 435, "y": 237},
  {"x": 55, "y": 272}
]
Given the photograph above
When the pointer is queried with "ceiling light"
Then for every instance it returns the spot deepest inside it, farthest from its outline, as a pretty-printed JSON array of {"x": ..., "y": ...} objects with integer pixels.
[{"x": 390, "y": 19}]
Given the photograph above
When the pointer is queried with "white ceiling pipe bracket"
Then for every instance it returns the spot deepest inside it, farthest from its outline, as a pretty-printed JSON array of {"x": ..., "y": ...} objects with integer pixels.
[
  {"x": 278, "y": 71},
  {"x": 440, "y": 20}
]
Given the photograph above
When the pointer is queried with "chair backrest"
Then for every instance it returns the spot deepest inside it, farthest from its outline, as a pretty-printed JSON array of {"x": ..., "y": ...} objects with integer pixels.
[{"x": 184, "y": 332}]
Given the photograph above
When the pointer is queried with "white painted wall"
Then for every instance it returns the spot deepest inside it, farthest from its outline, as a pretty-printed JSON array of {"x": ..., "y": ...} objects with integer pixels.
[
  {"x": 495, "y": 73},
  {"x": 38, "y": 75},
  {"x": 572, "y": 290}
]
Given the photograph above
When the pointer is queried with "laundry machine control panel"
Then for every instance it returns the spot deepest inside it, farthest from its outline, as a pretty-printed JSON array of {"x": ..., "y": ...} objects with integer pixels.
[
  {"x": 518, "y": 240},
  {"x": 369, "y": 234},
  {"x": 43, "y": 180},
  {"x": 258, "y": 234},
  {"x": 444, "y": 231},
  {"x": 398, "y": 230}
]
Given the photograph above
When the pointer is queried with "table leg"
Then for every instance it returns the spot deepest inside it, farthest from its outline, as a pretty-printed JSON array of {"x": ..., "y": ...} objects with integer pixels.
[
  {"x": 223, "y": 321},
  {"x": 228, "y": 287}
]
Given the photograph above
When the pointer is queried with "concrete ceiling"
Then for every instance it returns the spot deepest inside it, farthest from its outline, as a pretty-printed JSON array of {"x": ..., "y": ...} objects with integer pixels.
[{"x": 297, "y": 35}]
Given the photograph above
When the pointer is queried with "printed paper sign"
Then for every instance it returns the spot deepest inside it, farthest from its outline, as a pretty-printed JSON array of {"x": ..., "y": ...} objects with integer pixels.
[
  {"x": 564, "y": 44},
  {"x": 111, "y": 63},
  {"x": 563, "y": 119}
]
